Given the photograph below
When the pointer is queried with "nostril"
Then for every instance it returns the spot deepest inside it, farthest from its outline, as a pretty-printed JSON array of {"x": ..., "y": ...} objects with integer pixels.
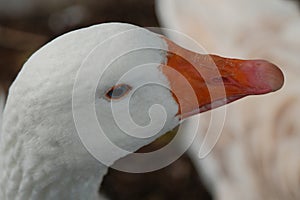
[
  {"x": 221, "y": 79},
  {"x": 226, "y": 80}
]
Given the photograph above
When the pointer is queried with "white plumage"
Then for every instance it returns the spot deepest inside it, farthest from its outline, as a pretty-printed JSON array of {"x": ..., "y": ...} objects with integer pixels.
[
  {"x": 2, "y": 102},
  {"x": 41, "y": 155}
]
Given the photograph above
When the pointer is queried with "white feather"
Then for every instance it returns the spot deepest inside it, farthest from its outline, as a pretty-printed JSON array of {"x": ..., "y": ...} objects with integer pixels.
[
  {"x": 2, "y": 102},
  {"x": 41, "y": 154}
]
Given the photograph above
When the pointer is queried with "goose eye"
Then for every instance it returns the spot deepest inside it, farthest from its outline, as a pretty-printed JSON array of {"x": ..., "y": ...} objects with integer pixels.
[{"x": 118, "y": 91}]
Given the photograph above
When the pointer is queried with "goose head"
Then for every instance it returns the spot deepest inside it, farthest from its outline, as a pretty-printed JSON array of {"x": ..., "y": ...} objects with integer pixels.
[{"x": 135, "y": 84}]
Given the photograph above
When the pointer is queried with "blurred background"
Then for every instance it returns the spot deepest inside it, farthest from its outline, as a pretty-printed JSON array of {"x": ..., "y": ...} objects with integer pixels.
[{"x": 26, "y": 25}]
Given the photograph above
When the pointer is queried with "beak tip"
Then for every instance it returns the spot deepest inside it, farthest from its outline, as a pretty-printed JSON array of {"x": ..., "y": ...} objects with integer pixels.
[
  {"x": 273, "y": 76},
  {"x": 265, "y": 74},
  {"x": 276, "y": 79}
]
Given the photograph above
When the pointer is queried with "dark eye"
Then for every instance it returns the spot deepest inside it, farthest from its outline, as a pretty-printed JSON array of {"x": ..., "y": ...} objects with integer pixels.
[{"x": 118, "y": 91}]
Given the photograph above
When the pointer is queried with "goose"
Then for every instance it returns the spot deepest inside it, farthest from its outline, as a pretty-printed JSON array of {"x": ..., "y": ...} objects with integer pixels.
[
  {"x": 257, "y": 155},
  {"x": 47, "y": 150}
]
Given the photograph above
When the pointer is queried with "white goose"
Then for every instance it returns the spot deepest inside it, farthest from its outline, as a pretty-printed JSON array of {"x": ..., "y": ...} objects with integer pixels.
[{"x": 41, "y": 154}]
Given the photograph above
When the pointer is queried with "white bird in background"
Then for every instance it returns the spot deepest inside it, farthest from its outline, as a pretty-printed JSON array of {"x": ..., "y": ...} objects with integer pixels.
[
  {"x": 257, "y": 156},
  {"x": 41, "y": 154},
  {"x": 2, "y": 102}
]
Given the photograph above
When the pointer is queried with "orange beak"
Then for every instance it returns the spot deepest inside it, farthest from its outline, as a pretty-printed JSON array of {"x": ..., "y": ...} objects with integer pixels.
[{"x": 202, "y": 82}]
